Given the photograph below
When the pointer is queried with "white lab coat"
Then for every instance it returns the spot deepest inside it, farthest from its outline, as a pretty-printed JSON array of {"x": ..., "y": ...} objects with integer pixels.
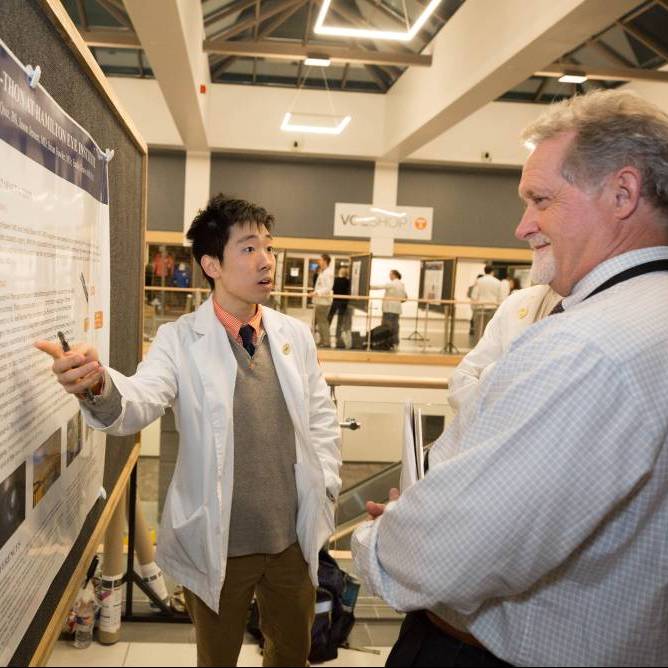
[
  {"x": 516, "y": 313},
  {"x": 191, "y": 367}
]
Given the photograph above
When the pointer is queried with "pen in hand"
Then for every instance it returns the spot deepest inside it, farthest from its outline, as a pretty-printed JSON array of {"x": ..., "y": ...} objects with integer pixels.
[{"x": 88, "y": 394}]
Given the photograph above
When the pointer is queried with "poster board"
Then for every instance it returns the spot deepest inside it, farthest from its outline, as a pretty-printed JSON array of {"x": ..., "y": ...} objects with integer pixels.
[
  {"x": 437, "y": 281},
  {"x": 39, "y": 32},
  {"x": 360, "y": 280}
]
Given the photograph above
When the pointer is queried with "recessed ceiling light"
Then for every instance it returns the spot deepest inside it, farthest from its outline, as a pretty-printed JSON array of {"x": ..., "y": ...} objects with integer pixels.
[
  {"x": 366, "y": 33},
  {"x": 573, "y": 78},
  {"x": 317, "y": 62}
]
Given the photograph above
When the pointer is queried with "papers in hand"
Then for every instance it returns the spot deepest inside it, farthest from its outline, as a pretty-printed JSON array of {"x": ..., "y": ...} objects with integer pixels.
[{"x": 412, "y": 456}]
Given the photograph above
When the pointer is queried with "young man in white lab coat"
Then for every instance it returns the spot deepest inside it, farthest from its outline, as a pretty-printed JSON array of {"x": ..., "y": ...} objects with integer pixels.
[{"x": 253, "y": 493}]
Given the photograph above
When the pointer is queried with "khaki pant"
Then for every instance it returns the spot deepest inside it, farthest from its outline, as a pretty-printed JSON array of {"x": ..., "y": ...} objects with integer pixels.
[
  {"x": 322, "y": 324},
  {"x": 286, "y": 601}
]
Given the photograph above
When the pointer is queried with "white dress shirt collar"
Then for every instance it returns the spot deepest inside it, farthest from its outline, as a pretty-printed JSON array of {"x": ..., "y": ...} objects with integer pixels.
[{"x": 609, "y": 268}]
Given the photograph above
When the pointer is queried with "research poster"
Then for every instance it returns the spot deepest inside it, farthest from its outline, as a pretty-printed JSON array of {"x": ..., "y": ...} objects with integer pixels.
[
  {"x": 355, "y": 278},
  {"x": 433, "y": 280},
  {"x": 54, "y": 276}
]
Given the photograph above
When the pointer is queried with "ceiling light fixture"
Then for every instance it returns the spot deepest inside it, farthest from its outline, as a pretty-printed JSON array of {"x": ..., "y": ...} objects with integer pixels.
[
  {"x": 573, "y": 78},
  {"x": 392, "y": 214},
  {"x": 317, "y": 61},
  {"x": 364, "y": 33},
  {"x": 314, "y": 128},
  {"x": 314, "y": 122}
]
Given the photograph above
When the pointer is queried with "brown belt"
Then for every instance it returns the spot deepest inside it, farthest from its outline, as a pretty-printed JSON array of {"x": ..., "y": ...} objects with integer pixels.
[{"x": 462, "y": 636}]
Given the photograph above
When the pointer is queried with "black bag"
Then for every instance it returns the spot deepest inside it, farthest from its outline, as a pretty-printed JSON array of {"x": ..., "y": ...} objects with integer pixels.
[
  {"x": 381, "y": 338},
  {"x": 358, "y": 341},
  {"x": 334, "y": 617}
]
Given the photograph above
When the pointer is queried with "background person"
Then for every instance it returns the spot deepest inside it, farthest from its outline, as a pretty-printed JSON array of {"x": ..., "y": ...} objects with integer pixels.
[
  {"x": 487, "y": 289},
  {"x": 395, "y": 295},
  {"x": 342, "y": 309},
  {"x": 322, "y": 299}
]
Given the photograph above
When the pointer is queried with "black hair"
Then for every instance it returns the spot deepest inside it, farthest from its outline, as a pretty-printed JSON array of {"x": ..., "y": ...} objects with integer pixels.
[
  {"x": 210, "y": 230},
  {"x": 489, "y": 269},
  {"x": 327, "y": 258},
  {"x": 396, "y": 273}
]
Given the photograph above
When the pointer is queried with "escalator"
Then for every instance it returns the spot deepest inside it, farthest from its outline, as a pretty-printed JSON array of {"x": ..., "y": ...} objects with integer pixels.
[{"x": 351, "y": 509}]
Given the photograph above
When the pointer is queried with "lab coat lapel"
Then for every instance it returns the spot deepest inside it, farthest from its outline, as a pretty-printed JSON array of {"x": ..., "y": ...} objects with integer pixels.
[
  {"x": 216, "y": 365},
  {"x": 284, "y": 352}
]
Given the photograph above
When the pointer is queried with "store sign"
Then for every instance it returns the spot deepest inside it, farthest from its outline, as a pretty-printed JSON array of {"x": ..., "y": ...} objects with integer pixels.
[{"x": 397, "y": 222}]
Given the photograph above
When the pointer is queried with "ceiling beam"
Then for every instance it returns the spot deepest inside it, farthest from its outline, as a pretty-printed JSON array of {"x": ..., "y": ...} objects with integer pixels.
[
  {"x": 397, "y": 18},
  {"x": 358, "y": 21},
  {"x": 222, "y": 66},
  {"x": 257, "y": 25},
  {"x": 114, "y": 11},
  {"x": 295, "y": 51},
  {"x": 611, "y": 53},
  {"x": 308, "y": 26},
  {"x": 645, "y": 39},
  {"x": 227, "y": 10},
  {"x": 603, "y": 73},
  {"x": 83, "y": 17},
  {"x": 171, "y": 33},
  {"x": 541, "y": 88},
  {"x": 280, "y": 20},
  {"x": 378, "y": 76},
  {"x": 241, "y": 26},
  {"x": 111, "y": 39},
  {"x": 344, "y": 78},
  {"x": 436, "y": 14}
]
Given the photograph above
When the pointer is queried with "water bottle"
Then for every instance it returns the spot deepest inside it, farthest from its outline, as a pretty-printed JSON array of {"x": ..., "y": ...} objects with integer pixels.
[
  {"x": 83, "y": 633},
  {"x": 84, "y": 610}
]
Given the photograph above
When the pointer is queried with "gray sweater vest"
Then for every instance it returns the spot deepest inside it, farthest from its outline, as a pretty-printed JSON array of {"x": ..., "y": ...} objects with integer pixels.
[{"x": 264, "y": 496}]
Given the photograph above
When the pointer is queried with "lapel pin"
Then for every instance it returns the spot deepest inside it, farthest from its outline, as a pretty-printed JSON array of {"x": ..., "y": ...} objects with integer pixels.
[
  {"x": 523, "y": 312},
  {"x": 286, "y": 349}
]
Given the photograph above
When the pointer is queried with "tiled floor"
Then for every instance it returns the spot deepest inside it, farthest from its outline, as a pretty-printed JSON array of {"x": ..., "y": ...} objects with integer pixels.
[{"x": 184, "y": 654}]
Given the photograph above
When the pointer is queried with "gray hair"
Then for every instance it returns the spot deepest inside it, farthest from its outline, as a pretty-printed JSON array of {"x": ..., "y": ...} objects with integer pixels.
[{"x": 613, "y": 129}]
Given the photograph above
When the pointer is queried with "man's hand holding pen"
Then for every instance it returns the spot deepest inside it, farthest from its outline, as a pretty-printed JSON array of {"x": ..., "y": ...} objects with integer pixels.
[{"x": 77, "y": 370}]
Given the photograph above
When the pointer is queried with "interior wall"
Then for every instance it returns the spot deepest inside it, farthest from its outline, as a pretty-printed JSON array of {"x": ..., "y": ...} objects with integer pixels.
[
  {"x": 166, "y": 190},
  {"x": 301, "y": 194},
  {"x": 471, "y": 207}
]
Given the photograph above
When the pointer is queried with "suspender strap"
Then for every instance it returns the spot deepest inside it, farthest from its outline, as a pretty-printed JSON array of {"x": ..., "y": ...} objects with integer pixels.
[{"x": 646, "y": 268}]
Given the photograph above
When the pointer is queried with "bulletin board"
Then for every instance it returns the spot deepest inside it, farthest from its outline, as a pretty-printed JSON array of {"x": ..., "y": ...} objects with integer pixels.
[{"x": 39, "y": 32}]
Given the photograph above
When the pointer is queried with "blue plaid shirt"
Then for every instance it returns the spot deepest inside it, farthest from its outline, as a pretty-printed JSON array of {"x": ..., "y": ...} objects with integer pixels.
[{"x": 542, "y": 525}]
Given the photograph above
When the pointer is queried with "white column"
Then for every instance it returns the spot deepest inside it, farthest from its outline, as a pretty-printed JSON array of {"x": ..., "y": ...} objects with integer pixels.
[
  {"x": 171, "y": 33},
  {"x": 385, "y": 184},
  {"x": 197, "y": 185}
]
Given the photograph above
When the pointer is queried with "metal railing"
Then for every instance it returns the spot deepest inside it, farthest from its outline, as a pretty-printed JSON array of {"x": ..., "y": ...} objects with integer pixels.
[{"x": 427, "y": 311}]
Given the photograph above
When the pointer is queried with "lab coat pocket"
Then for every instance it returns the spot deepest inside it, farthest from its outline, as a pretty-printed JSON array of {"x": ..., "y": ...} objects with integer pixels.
[
  {"x": 326, "y": 523},
  {"x": 308, "y": 510},
  {"x": 193, "y": 539}
]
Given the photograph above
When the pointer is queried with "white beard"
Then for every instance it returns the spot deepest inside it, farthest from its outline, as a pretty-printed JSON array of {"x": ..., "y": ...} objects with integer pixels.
[{"x": 544, "y": 267}]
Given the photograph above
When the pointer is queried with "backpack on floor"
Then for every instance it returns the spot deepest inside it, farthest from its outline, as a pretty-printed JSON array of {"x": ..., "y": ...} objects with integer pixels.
[
  {"x": 381, "y": 338},
  {"x": 336, "y": 596}
]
